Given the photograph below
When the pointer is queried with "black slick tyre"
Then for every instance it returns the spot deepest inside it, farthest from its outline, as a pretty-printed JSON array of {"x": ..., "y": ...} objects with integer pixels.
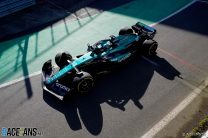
[
  {"x": 150, "y": 47},
  {"x": 83, "y": 82}
]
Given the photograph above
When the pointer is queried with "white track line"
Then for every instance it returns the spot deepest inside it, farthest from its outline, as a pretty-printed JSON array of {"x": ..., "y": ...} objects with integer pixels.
[
  {"x": 20, "y": 79},
  {"x": 171, "y": 115},
  {"x": 150, "y": 61},
  {"x": 205, "y": 135},
  {"x": 186, "y": 6},
  {"x": 206, "y": 2},
  {"x": 39, "y": 72}
]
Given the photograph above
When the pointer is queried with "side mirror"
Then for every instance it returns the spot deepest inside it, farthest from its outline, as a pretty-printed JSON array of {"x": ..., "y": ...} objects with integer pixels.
[
  {"x": 112, "y": 37},
  {"x": 89, "y": 47},
  {"x": 47, "y": 67}
]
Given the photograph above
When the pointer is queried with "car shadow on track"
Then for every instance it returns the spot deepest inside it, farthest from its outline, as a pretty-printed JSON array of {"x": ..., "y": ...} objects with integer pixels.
[{"x": 116, "y": 89}]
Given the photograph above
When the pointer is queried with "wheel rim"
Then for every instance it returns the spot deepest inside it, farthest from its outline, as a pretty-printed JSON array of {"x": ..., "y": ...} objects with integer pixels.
[
  {"x": 85, "y": 85},
  {"x": 152, "y": 49}
]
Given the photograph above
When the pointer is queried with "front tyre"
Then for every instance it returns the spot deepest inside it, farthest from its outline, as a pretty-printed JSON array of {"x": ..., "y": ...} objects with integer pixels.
[
  {"x": 150, "y": 47},
  {"x": 83, "y": 82},
  {"x": 62, "y": 58}
]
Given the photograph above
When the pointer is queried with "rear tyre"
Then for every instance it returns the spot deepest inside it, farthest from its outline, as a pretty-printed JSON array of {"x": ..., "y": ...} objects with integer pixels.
[
  {"x": 125, "y": 31},
  {"x": 150, "y": 47},
  {"x": 83, "y": 82}
]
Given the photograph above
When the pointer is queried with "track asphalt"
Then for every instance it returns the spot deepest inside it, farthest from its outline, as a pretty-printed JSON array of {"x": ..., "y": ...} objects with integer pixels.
[{"x": 124, "y": 104}]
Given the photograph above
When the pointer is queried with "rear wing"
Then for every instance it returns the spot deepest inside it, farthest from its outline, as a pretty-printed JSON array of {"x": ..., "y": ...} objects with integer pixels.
[{"x": 143, "y": 29}]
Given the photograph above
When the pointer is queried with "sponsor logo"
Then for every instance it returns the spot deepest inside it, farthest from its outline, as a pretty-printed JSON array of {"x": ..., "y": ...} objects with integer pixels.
[
  {"x": 63, "y": 87},
  {"x": 20, "y": 131},
  {"x": 125, "y": 57},
  {"x": 120, "y": 59}
]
